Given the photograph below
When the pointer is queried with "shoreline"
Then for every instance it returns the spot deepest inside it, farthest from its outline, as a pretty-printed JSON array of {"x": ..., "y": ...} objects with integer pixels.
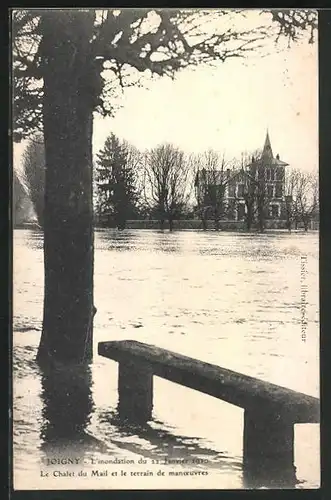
[{"x": 193, "y": 225}]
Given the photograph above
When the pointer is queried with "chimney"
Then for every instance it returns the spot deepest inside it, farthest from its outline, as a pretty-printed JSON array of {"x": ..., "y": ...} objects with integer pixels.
[
  {"x": 277, "y": 156},
  {"x": 228, "y": 172}
]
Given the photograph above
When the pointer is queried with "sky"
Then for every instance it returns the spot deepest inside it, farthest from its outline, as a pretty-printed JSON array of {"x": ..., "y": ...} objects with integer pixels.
[{"x": 228, "y": 107}]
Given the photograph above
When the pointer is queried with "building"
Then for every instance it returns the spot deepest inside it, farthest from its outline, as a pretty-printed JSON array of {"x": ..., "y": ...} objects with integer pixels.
[{"x": 233, "y": 193}]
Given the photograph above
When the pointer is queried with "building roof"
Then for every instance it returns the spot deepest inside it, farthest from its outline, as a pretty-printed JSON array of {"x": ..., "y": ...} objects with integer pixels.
[
  {"x": 267, "y": 154},
  {"x": 220, "y": 177},
  {"x": 277, "y": 161},
  {"x": 223, "y": 177},
  {"x": 267, "y": 150}
]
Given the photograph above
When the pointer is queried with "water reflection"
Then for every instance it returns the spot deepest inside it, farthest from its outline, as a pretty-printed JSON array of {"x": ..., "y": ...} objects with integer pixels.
[
  {"x": 166, "y": 242},
  {"x": 255, "y": 246},
  {"x": 265, "y": 474},
  {"x": 132, "y": 240},
  {"x": 113, "y": 239},
  {"x": 152, "y": 440},
  {"x": 67, "y": 409},
  {"x": 67, "y": 405},
  {"x": 35, "y": 239}
]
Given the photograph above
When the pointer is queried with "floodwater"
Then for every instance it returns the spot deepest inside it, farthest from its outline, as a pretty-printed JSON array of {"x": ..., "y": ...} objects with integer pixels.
[{"x": 232, "y": 299}]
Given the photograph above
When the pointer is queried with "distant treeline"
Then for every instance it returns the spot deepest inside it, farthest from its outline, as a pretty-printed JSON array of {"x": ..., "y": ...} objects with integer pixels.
[{"x": 160, "y": 185}]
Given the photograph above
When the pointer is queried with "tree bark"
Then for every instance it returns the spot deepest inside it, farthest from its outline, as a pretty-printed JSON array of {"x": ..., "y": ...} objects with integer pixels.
[
  {"x": 306, "y": 223},
  {"x": 68, "y": 214},
  {"x": 204, "y": 219},
  {"x": 261, "y": 216},
  {"x": 248, "y": 222},
  {"x": 289, "y": 222}
]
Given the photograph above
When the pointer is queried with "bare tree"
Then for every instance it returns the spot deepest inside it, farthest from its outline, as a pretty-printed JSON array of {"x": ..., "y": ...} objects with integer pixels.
[
  {"x": 253, "y": 180},
  {"x": 199, "y": 188},
  {"x": 306, "y": 197},
  {"x": 34, "y": 174},
  {"x": 262, "y": 196},
  {"x": 257, "y": 180},
  {"x": 211, "y": 178},
  {"x": 246, "y": 177},
  {"x": 301, "y": 197},
  {"x": 166, "y": 186},
  {"x": 291, "y": 207},
  {"x": 293, "y": 23}
]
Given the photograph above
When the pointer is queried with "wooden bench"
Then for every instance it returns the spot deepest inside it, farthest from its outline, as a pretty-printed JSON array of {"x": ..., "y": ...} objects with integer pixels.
[{"x": 270, "y": 411}]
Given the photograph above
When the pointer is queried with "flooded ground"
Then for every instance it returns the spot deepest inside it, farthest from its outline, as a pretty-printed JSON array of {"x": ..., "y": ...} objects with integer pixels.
[{"x": 231, "y": 299}]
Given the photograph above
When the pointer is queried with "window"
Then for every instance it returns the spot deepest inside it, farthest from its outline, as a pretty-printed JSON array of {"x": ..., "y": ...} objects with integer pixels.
[
  {"x": 241, "y": 211},
  {"x": 272, "y": 174},
  {"x": 279, "y": 190},
  {"x": 220, "y": 191},
  {"x": 231, "y": 210},
  {"x": 274, "y": 211},
  {"x": 240, "y": 190},
  {"x": 211, "y": 193},
  {"x": 270, "y": 190},
  {"x": 232, "y": 190},
  {"x": 280, "y": 173}
]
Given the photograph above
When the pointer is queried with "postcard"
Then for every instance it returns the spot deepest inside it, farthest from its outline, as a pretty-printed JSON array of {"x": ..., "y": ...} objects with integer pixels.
[{"x": 165, "y": 249}]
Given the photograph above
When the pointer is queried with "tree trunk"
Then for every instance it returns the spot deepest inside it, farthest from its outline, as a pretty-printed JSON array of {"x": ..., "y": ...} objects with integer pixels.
[
  {"x": 120, "y": 220},
  {"x": 171, "y": 224},
  {"x": 249, "y": 218},
  {"x": 68, "y": 215},
  {"x": 204, "y": 219},
  {"x": 305, "y": 220},
  {"x": 216, "y": 219},
  {"x": 38, "y": 203},
  {"x": 261, "y": 217},
  {"x": 289, "y": 224}
]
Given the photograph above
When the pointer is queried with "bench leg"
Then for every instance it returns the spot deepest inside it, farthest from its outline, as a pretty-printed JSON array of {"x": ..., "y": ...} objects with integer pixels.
[
  {"x": 135, "y": 390},
  {"x": 268, "y": 450}
]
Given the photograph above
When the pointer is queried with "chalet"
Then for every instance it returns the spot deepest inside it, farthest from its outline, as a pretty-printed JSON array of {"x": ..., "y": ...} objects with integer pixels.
[{"x": 263, "y": 177}]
